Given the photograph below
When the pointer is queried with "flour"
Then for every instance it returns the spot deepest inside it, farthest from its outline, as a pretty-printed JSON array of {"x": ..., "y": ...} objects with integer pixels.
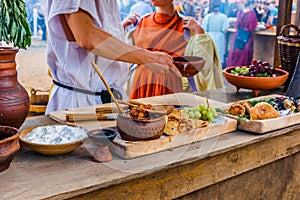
[{"x": 56, "y": 134}]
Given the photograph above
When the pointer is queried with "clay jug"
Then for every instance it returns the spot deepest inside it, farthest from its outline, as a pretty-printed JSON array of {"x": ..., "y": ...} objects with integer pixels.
[{"x": 14, "y": 99}]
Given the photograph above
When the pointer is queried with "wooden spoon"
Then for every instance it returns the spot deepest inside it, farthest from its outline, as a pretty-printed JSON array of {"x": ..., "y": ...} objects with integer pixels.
[{"x": 107, "y": 87}]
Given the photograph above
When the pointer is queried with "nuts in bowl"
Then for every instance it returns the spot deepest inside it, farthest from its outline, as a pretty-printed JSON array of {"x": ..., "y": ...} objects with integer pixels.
[{"x": 54, "y": 139}]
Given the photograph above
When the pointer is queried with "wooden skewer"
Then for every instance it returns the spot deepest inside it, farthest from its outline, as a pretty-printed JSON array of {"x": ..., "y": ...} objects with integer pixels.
[{"x": 107, "y": 87}]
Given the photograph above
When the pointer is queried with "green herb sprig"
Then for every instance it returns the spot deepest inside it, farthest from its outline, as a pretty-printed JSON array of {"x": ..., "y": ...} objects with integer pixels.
[{"x": 14, "y": 27}]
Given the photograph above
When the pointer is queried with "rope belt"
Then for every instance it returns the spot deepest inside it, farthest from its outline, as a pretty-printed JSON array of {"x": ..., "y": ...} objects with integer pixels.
[{"x": 104, "y": 94}]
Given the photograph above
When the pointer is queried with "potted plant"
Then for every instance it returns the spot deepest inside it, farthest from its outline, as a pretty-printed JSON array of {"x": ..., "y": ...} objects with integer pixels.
[{"x": 15, "y": 31}]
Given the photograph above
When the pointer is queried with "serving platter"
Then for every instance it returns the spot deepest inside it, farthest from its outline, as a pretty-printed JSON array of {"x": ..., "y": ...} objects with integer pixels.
[
  {"x": 266, "y": 125},
  {"x": 132, "y": 149}
]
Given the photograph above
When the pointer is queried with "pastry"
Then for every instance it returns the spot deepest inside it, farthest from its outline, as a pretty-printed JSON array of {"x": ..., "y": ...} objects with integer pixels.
[
  {"x": 263, "y": 111},
  {"x": 237, "y": 109}
]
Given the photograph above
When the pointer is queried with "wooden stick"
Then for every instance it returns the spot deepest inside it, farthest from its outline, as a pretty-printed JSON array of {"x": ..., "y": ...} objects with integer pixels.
[
  {"x": 107, "y": 87},
  {"x": 73, "y": 117}
]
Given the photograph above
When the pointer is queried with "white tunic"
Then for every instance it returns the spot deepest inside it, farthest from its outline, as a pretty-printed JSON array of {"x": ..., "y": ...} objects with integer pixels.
[{"x": 71, "y": 65}]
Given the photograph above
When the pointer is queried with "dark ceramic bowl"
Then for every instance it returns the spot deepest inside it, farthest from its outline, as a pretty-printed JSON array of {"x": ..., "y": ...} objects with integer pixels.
[
  {"x": 133, "y": 129},
  {"x": 9, "y": 145},
  {"x": 102, "y": 136},
  {"x": 256, "y": 83},
  {"x": 189, "y": 65}
]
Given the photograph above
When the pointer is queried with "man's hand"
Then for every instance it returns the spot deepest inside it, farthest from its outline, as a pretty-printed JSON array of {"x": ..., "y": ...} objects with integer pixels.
[{"x": 162, "y": 63}]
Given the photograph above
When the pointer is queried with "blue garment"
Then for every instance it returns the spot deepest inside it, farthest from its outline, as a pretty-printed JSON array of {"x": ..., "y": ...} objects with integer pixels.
[
  {"x": 215, "y": 24},
  {"x": 141, "y": 8}
]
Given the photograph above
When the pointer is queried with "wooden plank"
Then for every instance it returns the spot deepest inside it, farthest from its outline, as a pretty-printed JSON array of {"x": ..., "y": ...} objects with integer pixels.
[
  {"x": 132, "y": 149},
  {"x": 176, "y": 181}
]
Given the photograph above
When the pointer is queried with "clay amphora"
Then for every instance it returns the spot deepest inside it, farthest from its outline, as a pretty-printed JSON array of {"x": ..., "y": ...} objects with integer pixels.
[{"x": 14, "y": 99}]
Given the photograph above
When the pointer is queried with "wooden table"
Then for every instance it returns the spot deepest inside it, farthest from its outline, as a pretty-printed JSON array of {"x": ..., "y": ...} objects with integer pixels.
[{"x": 237, "y": 165}]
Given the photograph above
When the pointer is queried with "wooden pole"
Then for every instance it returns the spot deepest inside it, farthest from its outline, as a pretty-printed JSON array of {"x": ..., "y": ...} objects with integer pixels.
[{"x": 284, "y": 17}]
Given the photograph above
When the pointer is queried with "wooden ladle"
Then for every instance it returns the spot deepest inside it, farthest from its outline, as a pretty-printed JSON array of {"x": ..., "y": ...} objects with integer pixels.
[
  {"x": 155, "y": 110},
  {"x": 107, "y": 87}
]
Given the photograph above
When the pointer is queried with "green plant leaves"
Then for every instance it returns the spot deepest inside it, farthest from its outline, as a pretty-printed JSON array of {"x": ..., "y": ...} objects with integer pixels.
[{"x": 14, "y": 27}]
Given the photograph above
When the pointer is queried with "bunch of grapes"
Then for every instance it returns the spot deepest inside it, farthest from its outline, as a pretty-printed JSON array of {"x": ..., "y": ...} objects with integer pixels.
[
  {"x": 202, "y": 112},
  {"x": 261, "y": 69},
  {"x": 256, "y": 69}
]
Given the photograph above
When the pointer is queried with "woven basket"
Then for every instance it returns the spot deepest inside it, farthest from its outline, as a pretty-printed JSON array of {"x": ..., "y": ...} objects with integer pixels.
[{"x": 289, "y": 46}]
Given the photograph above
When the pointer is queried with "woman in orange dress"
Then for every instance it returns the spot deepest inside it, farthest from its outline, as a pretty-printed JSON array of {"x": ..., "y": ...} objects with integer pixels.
[{"x": 161, "y": 31}]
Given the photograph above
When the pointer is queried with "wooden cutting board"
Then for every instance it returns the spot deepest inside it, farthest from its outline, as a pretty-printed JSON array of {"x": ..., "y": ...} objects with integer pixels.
[
  {"x": 267, "y": 125},
  {"x": 132, "y": 149},
  {"x": 127, "y": 149}
]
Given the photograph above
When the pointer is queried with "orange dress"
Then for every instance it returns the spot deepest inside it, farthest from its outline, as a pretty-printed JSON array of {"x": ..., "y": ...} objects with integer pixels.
[{"x": 158, "y": 32}]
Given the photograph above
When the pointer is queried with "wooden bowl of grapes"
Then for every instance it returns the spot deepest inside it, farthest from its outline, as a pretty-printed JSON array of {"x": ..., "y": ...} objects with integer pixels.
[{"x": 256, "y": 77}]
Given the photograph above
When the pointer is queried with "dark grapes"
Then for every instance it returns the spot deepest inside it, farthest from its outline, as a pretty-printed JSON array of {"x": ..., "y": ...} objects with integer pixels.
[{"x": 258, "y": 68}]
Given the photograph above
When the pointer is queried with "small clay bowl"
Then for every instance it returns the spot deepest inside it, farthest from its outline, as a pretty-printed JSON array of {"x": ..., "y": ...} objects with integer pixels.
[
  {"x": 189, "y": 65},
  {"x": 102, "y": 136},
  {"x": 9, "y": 145}
]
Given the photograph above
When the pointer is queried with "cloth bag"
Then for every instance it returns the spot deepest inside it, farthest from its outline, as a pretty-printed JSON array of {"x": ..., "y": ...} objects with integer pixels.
[{"x": 242, "y": 38}]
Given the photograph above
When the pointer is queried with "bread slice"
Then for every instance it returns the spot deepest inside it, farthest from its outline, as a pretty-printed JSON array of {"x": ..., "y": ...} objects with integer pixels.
[{"x": 172, "y": 126}]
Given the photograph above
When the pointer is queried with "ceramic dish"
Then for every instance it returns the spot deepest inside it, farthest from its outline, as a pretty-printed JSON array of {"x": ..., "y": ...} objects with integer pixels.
[{"x": 52, "y": 149}]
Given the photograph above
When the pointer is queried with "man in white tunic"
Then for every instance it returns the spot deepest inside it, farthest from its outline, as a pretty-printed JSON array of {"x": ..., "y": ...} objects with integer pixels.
[{"x": 82, "y": 31}]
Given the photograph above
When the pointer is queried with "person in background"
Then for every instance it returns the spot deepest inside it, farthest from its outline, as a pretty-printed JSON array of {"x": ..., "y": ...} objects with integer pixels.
[
  {"x": 141, "y": 8},
  {"x": 81, "y": 32},
  {"x": 125, "y": 6},
  {"x": 233, "y": 9},
  {"x": 163, "y": 31},
  {"x": 216, "y": 24},
  {"x": 267, "y": 15},
  {"x": 41, "y": 21},
  {"x": 179, "y": 7},
  {"x": 246, "y": 20},
  {"x": 273, "y": 12},
  {"x": 189, "y": 8},
  {"x": 259, "y": 10}
]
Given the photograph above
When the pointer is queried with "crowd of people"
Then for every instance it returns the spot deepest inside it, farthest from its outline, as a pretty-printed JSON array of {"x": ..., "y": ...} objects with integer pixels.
[
  {"x": 155, "y": 31},
  {"x": 214, "y": 17}
]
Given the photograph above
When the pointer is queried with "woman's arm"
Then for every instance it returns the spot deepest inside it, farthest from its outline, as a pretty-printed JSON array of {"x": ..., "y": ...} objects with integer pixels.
[{"x": 103, "y": 44}]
